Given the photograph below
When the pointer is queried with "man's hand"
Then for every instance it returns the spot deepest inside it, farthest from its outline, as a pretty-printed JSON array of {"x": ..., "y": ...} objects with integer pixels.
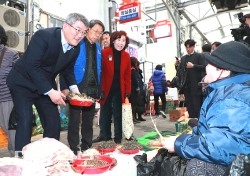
[
  {"x": 57, "y": 97},
  {"x": 190, "y": 65},
  {"x": 65, "y": 92}
]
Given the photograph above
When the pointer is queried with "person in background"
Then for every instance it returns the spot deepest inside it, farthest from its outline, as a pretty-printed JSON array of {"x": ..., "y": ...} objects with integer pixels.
[
  {"x": 169, "y": 84},
  {"x": 7, "y": 58},
  {"x": 175, "y": 80},
  {"x": 115, "y": 85},
  {"x": 144, "y": 92},
  {"x": 51, "y": 51},
  {"x": 160, "y": 89},
  {"x": 137, "y": 96},
  {"x": 215, "y": 45},
  {"x": 223, "y": 128},
  {"x": 87, "y": 72},
  {"x": 206, "y": 48},
  {"x": 105, "y": 39},
  {"x": 105, "y": 44},
  {"x": 247, "y": 17},
  {"x": 193, "y": 64}
]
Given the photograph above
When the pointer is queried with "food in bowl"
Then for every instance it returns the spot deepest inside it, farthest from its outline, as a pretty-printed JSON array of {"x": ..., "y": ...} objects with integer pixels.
[
  {"x": 106, "y": 146},
  {"x": 130, "y": 147},
  {"x": 80, "y": 100},
  {"x": 80, "y": 97},
  {"x": 93, "y": 164}
]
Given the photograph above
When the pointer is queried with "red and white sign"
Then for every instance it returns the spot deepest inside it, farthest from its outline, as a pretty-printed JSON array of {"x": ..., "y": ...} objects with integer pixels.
[
  {"x": 130, "y": 12},
  {"x": 162, "y": 29}
]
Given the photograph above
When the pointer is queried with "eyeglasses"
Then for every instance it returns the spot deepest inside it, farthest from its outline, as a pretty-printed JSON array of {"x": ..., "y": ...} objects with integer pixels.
[
  {"x": 96, "y": 32},
  {"x": 78, "y": 31}
]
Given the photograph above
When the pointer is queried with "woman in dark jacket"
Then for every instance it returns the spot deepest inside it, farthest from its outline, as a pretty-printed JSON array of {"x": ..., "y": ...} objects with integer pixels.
[{"x": 137, "y": 97}]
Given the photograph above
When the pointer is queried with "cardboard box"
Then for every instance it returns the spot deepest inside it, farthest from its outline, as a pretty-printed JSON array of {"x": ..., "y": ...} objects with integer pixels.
[
  {"x": 174, "y": 115},
  {"x": 182, "y": 109}
]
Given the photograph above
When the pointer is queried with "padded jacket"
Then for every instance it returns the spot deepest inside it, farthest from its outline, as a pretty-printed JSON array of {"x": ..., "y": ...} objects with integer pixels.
[{"x": 223, "y": 130}]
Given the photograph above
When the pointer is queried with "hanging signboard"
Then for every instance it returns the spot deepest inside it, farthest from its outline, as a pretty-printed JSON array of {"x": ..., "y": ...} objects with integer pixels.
[
  {"x": 130, "y": 12},
  {"x": 133, "y": 52},
  {"x": 162, "y": 29}
]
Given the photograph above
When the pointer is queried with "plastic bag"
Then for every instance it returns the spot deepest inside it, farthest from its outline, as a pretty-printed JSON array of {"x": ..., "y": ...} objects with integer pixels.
[
  {"x": 163, "y": 164},
  {"x": 173, "y": 165},
  {"x": 12, "y": 120},
  {"x": 153, "y": 167},
  {"x": 127, "y": 119},
  {"x": 64, "y": 115},
  {"x": 240, "y": 166}
]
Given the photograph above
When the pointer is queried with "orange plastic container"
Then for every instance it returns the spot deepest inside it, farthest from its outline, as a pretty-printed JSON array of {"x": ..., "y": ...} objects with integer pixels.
[{"x": 3, "y": 139}]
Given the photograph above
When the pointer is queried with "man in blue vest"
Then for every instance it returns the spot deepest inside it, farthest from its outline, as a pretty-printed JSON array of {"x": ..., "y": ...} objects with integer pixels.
[{"x": 87, "y": 71}]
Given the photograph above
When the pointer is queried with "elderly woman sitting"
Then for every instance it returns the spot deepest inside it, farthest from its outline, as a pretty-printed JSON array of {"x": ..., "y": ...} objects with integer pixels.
[{"x": 223, "y": 128}]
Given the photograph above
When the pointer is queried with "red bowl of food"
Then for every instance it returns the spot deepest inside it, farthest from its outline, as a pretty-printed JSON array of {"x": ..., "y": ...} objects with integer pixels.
[
  {"x": 130, "y": 147},
  {"x": 106, "y": 147},
  {"x": 85, "y": 103},
  {"x": 106, "y": 150},
  {"x": 129, "y": 151},
  {"x": 97, "y": 165}
]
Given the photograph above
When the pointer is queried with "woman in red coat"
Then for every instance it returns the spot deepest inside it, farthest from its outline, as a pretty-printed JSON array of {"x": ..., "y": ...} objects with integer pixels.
[{"x": 116, "y": 84}]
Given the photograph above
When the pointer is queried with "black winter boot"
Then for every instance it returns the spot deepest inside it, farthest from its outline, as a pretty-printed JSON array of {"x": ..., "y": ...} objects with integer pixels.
[
  {"x": 140, "y": 118},
  {"x": 134, "y": 119}
]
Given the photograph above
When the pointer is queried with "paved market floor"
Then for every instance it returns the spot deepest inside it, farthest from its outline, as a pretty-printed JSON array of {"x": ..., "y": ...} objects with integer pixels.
[{"x": 142, "y": 128}]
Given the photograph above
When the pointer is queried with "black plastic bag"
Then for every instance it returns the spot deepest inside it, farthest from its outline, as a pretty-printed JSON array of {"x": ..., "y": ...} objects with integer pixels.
[
  {"x": 181, "y": 77},
  {"x": 173, "y": 166},
  {"x": 240, "y": 166},
  {"x": 13, "y": 120},
  {"x": 153, "y": 167},
  {"x": 163, "y": 164}
]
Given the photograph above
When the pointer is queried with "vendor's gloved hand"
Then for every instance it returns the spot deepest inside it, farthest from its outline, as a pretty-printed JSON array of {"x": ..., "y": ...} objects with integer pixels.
[{"x": 168, "y": 143}]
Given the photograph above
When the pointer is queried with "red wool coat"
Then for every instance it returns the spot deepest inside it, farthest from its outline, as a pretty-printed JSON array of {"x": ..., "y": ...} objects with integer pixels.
[{"x": 108, "y": 73}]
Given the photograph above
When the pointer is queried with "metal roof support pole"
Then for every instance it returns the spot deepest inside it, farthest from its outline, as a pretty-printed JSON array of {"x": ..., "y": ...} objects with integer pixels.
[
  {"x": 171, "y": 13},
  {"x": 196, "y": 28},
  {"x": 174, "y": 16}
]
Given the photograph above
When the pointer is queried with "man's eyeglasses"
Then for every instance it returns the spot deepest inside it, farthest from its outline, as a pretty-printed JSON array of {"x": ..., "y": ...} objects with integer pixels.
[
  {"x": 78, "y": 31},
  {"x": 96, "y": 32}
]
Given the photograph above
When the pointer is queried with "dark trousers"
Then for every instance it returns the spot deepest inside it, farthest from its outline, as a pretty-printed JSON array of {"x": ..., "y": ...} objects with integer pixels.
[
  {"x": 196, "y": 167},
  {"x": 112, "y": 106},
  {"x": 193, "y": 103},
  {"x": 47, "y": 111},
  {"x": 86, "y": 114},
  {"x": 156, "y": 103}
]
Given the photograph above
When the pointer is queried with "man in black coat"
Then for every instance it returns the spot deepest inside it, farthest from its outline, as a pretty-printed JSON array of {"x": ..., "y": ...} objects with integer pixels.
[
  {"x": 193, "y": 65},
  {"x": 51, "y": 52}
]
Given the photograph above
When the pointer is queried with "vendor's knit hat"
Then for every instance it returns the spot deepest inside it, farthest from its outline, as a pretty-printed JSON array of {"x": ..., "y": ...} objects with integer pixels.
[{"x": 233, "y": 56}]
